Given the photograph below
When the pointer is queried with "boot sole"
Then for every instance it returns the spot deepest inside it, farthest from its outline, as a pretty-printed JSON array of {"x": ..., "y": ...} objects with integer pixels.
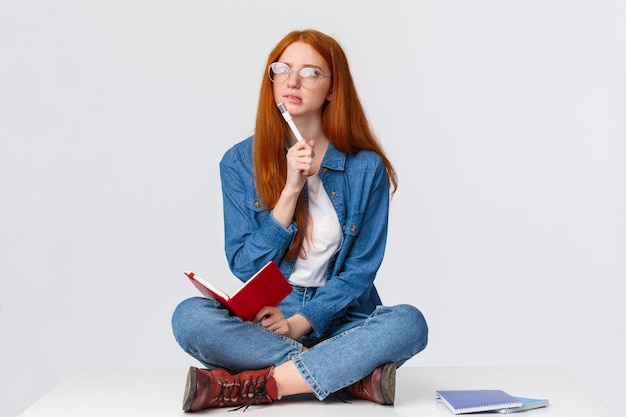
[
  {"x": 388, "y": 383},
  {"x": 190, "y": 388}
]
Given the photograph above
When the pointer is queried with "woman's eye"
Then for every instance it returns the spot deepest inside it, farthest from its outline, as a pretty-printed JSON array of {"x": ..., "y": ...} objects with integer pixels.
[
  {"x": 281, "y": 69},
  {"x": 309, "y": 72}
]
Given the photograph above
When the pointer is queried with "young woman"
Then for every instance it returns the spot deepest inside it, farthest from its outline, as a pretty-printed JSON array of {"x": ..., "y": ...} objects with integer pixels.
[{"x": 317, "y": 207}]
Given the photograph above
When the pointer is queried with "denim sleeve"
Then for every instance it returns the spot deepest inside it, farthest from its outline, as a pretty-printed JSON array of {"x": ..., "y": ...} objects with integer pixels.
[
  {"x": 253, "y": 236},
  {"x": 351, "y": 287}
]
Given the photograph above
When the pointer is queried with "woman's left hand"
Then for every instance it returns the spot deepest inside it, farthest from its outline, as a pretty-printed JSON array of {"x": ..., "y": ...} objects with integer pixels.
[{"x": 272, "y": 318}]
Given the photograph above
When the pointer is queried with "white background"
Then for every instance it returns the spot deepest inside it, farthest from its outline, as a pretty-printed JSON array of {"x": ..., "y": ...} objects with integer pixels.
[{"x": 505, "y": 120}]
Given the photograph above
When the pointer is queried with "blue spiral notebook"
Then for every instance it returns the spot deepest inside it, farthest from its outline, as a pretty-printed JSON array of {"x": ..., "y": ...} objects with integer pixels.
[
  {"x": 476, "y": 401},
  {"x": 527, "y": 404}
]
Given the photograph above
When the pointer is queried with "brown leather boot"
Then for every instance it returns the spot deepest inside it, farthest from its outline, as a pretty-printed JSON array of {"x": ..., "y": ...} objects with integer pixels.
[
  {"x": 379, "y": 386},
  {"x": 219, "y": 388}
]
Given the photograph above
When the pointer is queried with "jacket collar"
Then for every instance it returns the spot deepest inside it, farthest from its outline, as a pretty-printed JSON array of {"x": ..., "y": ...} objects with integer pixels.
[{"x": 334, "y": 159}]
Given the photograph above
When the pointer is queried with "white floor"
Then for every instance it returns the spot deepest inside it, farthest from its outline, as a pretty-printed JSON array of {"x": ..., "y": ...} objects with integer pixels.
[{"x": 156, "y": 393}]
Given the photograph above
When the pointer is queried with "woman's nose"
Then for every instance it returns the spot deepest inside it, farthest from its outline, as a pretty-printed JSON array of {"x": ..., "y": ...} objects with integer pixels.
[{"x": 294, "y": 79}]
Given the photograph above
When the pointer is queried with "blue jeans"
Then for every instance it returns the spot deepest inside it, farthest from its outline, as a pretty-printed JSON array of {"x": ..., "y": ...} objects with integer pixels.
[{"x": 348, "y": 351}]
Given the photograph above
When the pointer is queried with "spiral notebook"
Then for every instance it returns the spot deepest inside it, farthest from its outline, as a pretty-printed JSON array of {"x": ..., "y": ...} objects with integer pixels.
[
  {"x": 476, "y": 401},
  {"x": 527, "y": 404}
]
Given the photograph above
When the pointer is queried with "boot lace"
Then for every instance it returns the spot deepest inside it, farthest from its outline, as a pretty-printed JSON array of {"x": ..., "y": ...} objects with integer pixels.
[{"x": 245, "y": 392}]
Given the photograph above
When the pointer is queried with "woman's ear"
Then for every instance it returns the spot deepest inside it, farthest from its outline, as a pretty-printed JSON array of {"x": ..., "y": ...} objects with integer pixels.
[{"x": 329, "y": 96}]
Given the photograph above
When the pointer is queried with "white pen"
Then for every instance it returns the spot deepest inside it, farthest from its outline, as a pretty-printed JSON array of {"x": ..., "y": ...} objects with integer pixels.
[{"x": 289, "y": 120}]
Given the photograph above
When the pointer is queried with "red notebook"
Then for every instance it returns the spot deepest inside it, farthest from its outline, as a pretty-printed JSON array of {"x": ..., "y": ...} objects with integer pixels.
[{"x": 268, "y": 287}]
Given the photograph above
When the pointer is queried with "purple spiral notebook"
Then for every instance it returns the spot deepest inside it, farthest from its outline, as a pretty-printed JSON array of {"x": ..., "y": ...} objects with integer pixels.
[{"x": 475, "y": 401}]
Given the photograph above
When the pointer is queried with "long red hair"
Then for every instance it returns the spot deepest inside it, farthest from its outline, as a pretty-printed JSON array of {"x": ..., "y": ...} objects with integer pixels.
[{"x": 343, "y": 121}]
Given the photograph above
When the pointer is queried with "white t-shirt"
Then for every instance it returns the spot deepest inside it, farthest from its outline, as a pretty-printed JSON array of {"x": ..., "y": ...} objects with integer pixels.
[{"x": 324, "y": 240}]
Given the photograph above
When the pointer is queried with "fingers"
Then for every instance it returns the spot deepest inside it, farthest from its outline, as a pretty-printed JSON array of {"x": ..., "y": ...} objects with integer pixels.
[
  {"x": 280, "y": 328},
  {"x": 262, "y": 314},
  {"x": 267, "y": 316},
  {"x": 272, "y": 318},
  {"x": 301, "y": 156}
]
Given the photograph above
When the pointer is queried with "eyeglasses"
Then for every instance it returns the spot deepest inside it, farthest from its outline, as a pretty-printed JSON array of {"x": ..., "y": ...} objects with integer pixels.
[{"x": 309, "y": 77}]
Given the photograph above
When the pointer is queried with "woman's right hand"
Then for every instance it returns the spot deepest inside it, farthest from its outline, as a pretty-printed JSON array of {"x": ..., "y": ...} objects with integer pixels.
[{"x": 300, "y": 157}]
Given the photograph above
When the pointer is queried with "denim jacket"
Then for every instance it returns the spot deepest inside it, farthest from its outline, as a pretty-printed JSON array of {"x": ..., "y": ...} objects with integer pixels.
[{"x": 358, "y": 188}]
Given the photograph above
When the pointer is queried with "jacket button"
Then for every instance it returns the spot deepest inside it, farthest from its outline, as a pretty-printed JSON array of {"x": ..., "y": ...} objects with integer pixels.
[
  {"x": 333, "y": 194},
  {"x": 353, "y": 228},
  {"x": 257, "y": 204}
]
